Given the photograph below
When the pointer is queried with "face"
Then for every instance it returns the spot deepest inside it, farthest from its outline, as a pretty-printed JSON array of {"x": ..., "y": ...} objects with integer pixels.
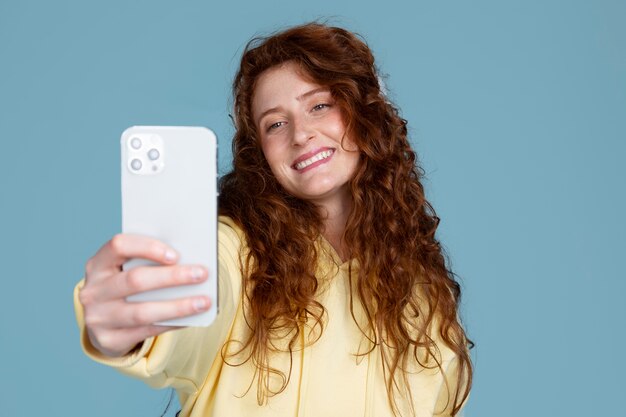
[{"x": 303, "y": 136}]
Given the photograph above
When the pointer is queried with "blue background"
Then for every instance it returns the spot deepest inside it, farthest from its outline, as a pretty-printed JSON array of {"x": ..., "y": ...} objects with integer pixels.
[{"x": 516, "y": 108}]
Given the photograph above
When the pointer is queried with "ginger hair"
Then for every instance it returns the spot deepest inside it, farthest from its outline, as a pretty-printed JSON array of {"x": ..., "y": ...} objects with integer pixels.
[{"x": 403, "y": 282}]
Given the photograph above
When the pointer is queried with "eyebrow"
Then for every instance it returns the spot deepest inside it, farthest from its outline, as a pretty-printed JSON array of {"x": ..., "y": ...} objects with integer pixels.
[{"x": 299, "y": 98}]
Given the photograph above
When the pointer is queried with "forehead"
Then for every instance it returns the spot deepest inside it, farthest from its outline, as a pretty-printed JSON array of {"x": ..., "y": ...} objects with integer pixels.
[{"x": 280, "y": 85}]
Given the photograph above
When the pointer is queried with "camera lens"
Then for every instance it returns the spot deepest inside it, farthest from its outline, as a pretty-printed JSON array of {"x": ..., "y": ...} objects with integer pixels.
[
  {"x": 135, "y": 143},
  {"x": 153, "y": 154},
  {"x": 135, "y": 164}
]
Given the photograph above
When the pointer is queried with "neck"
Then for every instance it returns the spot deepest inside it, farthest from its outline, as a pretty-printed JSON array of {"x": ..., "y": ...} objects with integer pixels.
[{"x": 335, "y": 216}]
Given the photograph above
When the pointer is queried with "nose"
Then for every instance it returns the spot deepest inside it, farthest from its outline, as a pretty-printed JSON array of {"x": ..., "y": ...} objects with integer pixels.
[{"x": 302, "y": 132}]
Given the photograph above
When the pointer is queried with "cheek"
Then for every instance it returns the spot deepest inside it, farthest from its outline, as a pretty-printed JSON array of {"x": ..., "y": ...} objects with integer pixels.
[
  {"x": 352, "y": 154},
  {"x": 337, "y": 130},
  {"x": 350, "y": 146},
  {"x": 268, "y": 149},
  {"x": 273, "y": 156},
  {"x": 355, "y": 161}
]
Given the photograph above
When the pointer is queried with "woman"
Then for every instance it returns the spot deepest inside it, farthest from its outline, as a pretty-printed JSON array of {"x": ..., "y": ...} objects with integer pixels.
[{"x": 335, "y": 295}]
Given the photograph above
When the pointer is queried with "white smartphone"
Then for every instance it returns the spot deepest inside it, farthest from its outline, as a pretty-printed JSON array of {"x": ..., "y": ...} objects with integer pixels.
[{"x": 169, "y": 192}]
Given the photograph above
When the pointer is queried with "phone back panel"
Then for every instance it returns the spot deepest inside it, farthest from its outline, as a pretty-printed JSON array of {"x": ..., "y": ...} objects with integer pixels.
[{"x": 169, "y": 192}]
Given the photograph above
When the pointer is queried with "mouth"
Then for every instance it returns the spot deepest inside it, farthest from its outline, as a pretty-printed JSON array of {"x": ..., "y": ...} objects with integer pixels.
[{"x": 312, "y": 159}]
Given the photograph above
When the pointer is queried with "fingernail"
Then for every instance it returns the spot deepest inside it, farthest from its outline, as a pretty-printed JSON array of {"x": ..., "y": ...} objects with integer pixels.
[
  {"x": 170, "y": 255},
  {"x": 196, "y": 273},
  {"x": 199, "y": 304}
]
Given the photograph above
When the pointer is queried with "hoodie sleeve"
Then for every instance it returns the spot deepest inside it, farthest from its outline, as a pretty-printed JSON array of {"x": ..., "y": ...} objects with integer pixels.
[
  {"x": 445, "y": 398},
  {"x": 182, "y": 358}
]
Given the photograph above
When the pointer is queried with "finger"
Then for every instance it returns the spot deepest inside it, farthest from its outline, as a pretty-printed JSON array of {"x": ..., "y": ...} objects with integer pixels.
[
  {"x": 142, "y": 278},
  {"x": 123, "y": 247},
  {"x": 122, "y": 314},
  {"x": 119, "y": 342}
]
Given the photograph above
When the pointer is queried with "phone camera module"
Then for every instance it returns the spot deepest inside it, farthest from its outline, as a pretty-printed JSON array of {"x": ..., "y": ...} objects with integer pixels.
[
  {"x": 135, "y": 143},
  {"x": 153, "y": 154},
  {"x": 135, "y": 164}
]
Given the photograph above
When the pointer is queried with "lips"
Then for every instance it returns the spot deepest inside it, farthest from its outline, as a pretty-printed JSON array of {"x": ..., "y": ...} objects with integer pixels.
[{"x": 311, "y": 158}]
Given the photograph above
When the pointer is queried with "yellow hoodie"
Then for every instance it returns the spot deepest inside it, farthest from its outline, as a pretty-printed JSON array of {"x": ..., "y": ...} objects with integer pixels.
[{"x": 327, "y": 378}]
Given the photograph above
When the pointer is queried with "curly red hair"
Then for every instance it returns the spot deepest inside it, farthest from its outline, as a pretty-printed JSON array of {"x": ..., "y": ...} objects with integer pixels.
[{"x": 403, "y": 283}]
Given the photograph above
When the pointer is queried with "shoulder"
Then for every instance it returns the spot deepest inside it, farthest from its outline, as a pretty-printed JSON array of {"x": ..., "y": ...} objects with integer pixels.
[
  {"x": 227, "y": 226},
  {"x": 232, "y": 248},
  {"x": 230, "y": 236}
]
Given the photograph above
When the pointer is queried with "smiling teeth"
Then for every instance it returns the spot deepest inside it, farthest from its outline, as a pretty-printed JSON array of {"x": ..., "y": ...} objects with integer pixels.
[{"x": 313, "y": 159}]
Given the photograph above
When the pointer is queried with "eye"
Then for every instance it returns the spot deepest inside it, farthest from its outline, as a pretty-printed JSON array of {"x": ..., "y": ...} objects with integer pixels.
[
  {"x": 320, "y": 106},
  {"x": 275, "y": 126}
]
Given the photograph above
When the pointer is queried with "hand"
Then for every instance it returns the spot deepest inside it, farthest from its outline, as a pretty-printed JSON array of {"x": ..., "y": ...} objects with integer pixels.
[{"x": 116, "y": 326}]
